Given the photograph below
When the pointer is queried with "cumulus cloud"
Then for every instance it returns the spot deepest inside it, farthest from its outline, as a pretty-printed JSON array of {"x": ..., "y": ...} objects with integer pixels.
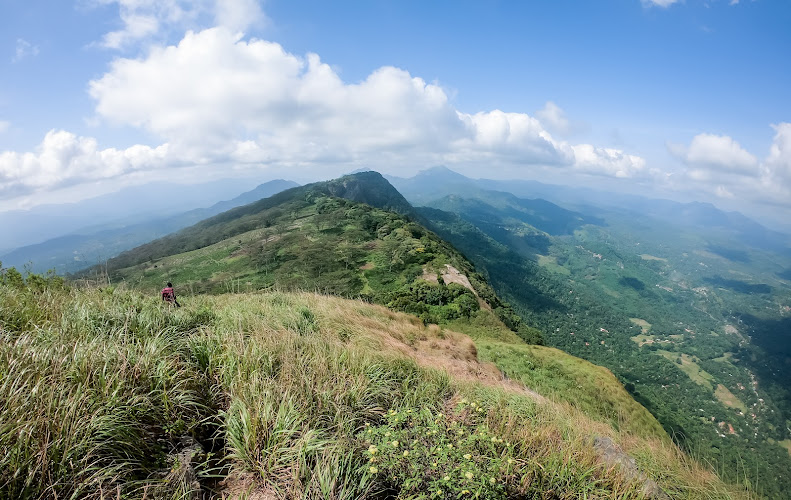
[
  {"x": 24, "y": 49},
  {"x": 238, "y": 15},
  {"x": 217, "y": 98},
  {"x": 607, "y": 161},
  {"x": 779, "y": 160},
  {"x": 215, "y": 87},
  {"x": 142, "y": 19},
  {"x": 709, "y": 154},
  {"x": 554, "y": 118},
  {"x": 63, "y": 159},
  {"x": 719, "y": 165}
]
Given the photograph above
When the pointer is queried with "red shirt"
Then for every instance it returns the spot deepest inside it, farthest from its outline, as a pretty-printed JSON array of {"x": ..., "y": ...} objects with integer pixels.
[{"x": 168, "y": 293}]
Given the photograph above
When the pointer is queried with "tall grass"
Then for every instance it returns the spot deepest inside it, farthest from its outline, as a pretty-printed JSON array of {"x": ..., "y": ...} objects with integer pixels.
[{"x": 100, "y": 389}]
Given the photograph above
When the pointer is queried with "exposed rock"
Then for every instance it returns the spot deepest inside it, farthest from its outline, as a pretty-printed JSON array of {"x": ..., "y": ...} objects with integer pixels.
[{"x": 612, "y": 455}]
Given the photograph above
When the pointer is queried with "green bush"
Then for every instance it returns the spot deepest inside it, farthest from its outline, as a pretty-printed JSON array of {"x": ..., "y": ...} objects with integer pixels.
[{"x": 422, "y": 453}]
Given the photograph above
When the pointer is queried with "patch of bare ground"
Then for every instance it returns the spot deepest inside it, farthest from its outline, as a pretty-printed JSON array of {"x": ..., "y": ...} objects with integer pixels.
[
  {"x": 270, "y": 239},
  {"x": 453, "y": 275},
  {"x": 240, "y": 252},
  {"x": 438, "y": 348},
  {"x": 429, "y": 276},
  {"x": 243, "y": 488}
]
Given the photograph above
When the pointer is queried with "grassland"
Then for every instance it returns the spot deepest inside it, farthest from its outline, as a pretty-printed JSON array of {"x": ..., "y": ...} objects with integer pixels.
[
  {"x": 328, "y": 245},
  {"x": 688, "y": 365},
  {"x": 644, "y": 325},
  {"x": 551, "y": 264},
  {"x": 106, "y": 393},
  {"x": 728, "y": 398}
]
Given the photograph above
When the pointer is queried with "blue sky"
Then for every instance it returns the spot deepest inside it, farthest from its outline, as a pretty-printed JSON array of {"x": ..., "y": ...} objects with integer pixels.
[{"x": 682, "y": 99}]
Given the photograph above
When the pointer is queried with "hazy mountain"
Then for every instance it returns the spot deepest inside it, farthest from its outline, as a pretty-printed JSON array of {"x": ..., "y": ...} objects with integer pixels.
[
  {"x": 126, "y": 206},
  {"x": 366, "y": 187},
  {"x": 434, "y": 183},
  {"x": 96, "y": 244}
]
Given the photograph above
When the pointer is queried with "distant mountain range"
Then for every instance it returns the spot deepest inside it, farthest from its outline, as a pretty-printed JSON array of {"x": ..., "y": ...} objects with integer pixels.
[
  {"x": 127, "y": 206},
  {"x": 72, "y": 252},
  {"x": 670, "y": 306},
  {"x": 432, "y": 184}
]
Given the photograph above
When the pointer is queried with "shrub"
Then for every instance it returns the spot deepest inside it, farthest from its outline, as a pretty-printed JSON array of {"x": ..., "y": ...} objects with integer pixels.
[{"x": 419, "y": 451}]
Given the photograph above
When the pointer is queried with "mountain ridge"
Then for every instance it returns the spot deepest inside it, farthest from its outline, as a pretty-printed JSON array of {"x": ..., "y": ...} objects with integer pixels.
[{"x": 73, "y": 252}]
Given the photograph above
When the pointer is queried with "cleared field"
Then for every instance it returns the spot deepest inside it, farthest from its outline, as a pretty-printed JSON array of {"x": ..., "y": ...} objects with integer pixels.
[
  {"x": 551, "y": 264},
  {"x": 727, "y": 398},
  {"x": 646, "y": 256},
  {"x": 690, "y": 367},
  {"x": 643, "y": 324},
  {"x": 725, "y": 358},
  {"x": 641, "y": 340}
]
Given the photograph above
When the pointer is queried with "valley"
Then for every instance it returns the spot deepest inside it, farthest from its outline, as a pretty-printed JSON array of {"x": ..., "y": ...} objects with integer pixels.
[{"x": 679, "y": 319}]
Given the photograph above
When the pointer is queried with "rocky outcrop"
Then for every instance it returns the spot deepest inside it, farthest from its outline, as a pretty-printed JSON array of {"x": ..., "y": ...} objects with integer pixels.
[{"x": 613, "y": 456}]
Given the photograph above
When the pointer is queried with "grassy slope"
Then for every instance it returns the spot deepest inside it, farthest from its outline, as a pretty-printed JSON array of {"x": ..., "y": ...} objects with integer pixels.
[
  {"x": 577, "y": 313},
  {"x": 331, "y": 245},
  {"x": 99, "y": 387}
]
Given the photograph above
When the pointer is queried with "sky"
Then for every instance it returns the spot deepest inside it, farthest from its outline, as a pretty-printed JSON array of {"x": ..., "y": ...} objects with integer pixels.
[{"x": 679, "y": 99}]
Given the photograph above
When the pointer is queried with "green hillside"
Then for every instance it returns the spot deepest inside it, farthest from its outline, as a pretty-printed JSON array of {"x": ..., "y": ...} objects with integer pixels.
[
  {"x": 653, "y": 304},
  {"x": 356, "y": 237},
  {"x": 310, "y": 238},
  {"x": 280, "y": 395}
]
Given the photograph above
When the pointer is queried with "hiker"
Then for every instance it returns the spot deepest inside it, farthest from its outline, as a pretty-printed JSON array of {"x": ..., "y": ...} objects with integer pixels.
[{"x": 169, "y": 295}]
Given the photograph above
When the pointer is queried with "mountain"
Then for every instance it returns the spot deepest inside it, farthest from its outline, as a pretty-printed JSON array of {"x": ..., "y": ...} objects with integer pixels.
[
  {"x": 256, "y": 388},
  {"x": 432, "y": 184},
  {"x": 496, "y": 208},
  {"x": 365, "y": 187},
  {"x": 130, "y": 205},
  {"x": 95, "y": 244},
  {"x": 341, "y": 237}
]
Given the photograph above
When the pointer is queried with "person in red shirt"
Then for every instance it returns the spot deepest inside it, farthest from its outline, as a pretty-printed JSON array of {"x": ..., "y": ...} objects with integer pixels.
[{"x": 169, "y": 295}]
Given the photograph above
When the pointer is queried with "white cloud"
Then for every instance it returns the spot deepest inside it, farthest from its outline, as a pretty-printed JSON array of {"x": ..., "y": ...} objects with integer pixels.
[
  {"x": 710, "y": 154},
  {"x": 24, "y": 49},
  {"x": 659, "y": 3},
  {"x": 607, "y": 161},
  {"x": 63, "y": 159},
  {"x": 238, "y": 15},
  {"x": 723, "y": 192},
  {"x": 779, "y": 159},
  {"x": 218, "y": 99},
  {"x": 214, "y": 88},
  {"x": 554, "y": 118},
  {"x": 142, "y": 20},
  {"x": 720, "y": 166}
]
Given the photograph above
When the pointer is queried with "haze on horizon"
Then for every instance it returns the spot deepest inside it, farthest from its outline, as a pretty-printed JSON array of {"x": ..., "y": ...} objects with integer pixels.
[{"x": 686, "y": 100}]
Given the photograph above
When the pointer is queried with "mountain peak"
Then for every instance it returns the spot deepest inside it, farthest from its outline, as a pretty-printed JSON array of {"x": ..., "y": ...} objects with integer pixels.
[
  {"x": 368, "y": 187},
  {"x": 441, "y": 172}
]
